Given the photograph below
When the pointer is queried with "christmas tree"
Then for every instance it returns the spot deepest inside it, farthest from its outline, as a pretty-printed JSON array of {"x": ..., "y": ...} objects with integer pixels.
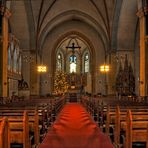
[{"x": 60, "y": 83}]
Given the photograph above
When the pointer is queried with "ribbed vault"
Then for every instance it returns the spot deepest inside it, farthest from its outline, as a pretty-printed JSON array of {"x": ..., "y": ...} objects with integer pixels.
[{"x": 111, "y": 20}]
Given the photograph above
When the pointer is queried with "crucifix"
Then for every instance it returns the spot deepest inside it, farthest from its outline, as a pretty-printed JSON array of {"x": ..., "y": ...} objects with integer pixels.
[{"x": 73, "y": 47}]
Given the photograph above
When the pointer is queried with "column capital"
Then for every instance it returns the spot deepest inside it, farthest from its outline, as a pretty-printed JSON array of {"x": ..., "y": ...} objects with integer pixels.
[
  {"x": 142, "y": 12},
  {"x": 5, "y": 11}
]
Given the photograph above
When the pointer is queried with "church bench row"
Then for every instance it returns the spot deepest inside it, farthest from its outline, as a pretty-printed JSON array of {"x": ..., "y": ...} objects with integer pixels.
[
  {"x": 95, "y": 104},
  {"x": 43, "y": 110},
  {"x": 57, "y": 106},
  {"x": 31, "y": 105},
  {"x": 17, "y": 131},
  {"x": 134, "y": 99},
  {"x": 4, "y": 134},
  {"x": 118, "y": 119},
  {"x": 140, "y": 115},
  {"x": 112, "y": 112},
  {"x": 11, "y": 113},
  {"x": 89, "y": 104},
  {"x": 135, "y": 131},
  {"x": 94, "y": 108},
  {"x": 44, "y": 117},
  {"x": 42, "y": 113},
  {"x": 17, "y": 126},
  {"x": 17, "y": 112}
]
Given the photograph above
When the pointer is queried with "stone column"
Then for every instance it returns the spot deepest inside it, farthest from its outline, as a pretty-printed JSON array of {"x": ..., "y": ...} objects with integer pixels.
[
  {"x": 111, "y": 75},
  {"x": 143, "y": 78},
  {"x": 34, "y": 76},
  {"x": 4, "y": 53}
]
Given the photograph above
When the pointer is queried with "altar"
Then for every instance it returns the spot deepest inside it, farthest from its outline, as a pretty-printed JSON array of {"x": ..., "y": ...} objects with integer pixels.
[{"x": 76, "y": 81}]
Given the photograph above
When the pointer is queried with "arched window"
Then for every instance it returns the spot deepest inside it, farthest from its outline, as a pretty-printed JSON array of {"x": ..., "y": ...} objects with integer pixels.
[
  {"x": 73, "y": 63},
  {"x": 15, "y": 60},
  {"x": 86, "y": 63},
  {"x": 59, "y": 62},
  {"x": 9, "y": 57},
  {"x": 20, "y": 64}
]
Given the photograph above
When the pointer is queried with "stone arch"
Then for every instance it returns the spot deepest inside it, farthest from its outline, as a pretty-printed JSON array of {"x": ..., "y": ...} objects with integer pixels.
[
  {"x": 74, "y": 15},
  {"x": 91, "y": 50}
]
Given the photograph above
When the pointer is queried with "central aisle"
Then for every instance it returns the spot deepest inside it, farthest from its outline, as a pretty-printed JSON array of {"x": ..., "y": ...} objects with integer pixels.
[{"x": 74, "y": 128}]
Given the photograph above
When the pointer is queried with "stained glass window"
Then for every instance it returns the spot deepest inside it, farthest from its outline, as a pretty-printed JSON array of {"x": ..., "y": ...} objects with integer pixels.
[
  {"x": 86, "y": 63},
  {"x": 73, "y": 63},
  {"x": 15, "y": 61},
  {"x": 59, "y": 62},
  {"x": 9, "y": 58},
  {"x": 20, "y": 64}
]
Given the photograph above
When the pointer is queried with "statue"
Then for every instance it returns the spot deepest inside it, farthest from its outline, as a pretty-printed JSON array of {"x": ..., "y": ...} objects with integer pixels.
[{"x": 22, "y": 84}]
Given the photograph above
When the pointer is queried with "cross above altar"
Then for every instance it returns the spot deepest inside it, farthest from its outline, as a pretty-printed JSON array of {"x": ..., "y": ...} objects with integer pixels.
[{"x": 73, "y": 47}]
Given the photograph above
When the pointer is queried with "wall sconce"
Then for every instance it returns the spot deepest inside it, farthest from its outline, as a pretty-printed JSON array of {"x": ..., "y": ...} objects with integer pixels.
[
  {"x": 104, "y": 68},
  {"x": 42, "y": 68}
]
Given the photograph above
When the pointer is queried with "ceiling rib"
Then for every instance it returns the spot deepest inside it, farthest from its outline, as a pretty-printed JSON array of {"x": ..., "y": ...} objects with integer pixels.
[
  {"x": 100, "y": 14},
  {"x": 37, "y": 31},
  {"x": 107, "y": 17},
  {"x": 46, "y": 14}
]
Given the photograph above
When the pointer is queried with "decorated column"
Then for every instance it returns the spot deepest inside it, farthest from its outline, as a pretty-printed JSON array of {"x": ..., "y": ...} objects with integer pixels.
[
  {"x": 111, "y": 76},
  {"x": 4, "y": 15},
  {"x": 143, "y": 19}
]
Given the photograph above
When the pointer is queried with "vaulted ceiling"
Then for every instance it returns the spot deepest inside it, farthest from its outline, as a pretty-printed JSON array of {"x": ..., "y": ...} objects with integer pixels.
[{"x": 115, "y": 21}]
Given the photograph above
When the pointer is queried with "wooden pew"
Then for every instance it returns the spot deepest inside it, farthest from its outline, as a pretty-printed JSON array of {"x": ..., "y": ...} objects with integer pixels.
[
  {"x": 136, "y": 131},
  {"x": 4, "y": 133},
  {"x": 57, "y": 106},
  {"x": 116, "y": 110},
  {"x": 94, "y": 107},
  {"x": 121, "y": 119},
  {"x": 43, "y": 113},
  {"x": 117, "y": 117},
  {"x": 20, "y": 125},
  {"x": 19, "y": 130},
  {"x": 40, "y": 115}
]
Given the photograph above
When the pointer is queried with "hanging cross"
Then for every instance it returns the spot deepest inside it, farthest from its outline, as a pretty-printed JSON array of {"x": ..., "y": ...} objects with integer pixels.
[{"x": 73, "y": 47}]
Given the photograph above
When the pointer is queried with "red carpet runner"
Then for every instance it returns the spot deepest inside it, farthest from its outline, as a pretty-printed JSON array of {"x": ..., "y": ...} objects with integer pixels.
[{"x": 74, "y": 128}]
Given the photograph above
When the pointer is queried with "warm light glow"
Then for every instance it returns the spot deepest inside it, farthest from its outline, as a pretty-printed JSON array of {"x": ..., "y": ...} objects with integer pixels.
[
  {"x": 73, "y": 87},
  {"x": 42, "y": 68},
  {"x": 104, "y": 68},
  {"x": 72, "y": 67}
]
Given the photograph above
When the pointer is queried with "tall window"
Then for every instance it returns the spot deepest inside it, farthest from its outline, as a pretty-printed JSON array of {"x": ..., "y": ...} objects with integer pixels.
[
  {"x": 73, "y": 63},
  {"x": 20, "y": 64},
  {"x": 15, "y": 60},
  {"x": 9, "y": 58},
  {"x": 86, "y": 63},
  {"x": 59, "y": 62}
]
